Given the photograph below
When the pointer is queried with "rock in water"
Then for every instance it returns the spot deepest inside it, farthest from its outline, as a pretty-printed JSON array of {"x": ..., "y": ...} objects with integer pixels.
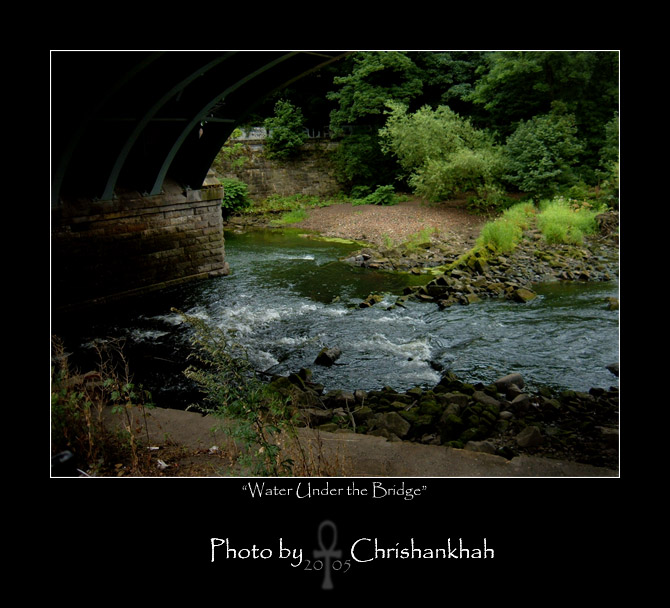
[
  {"x": 523, "y": 295},
  {"x": 328, "y": 356},
  {"x": 503, "y": 383}
]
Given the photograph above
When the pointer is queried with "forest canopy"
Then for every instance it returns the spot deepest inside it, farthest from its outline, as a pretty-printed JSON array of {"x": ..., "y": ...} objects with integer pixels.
[{"x": 485, "y": 122}]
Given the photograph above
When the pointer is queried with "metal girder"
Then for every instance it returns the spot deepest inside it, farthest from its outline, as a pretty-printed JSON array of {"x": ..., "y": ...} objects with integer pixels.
[{"x": 131, "y": 119}]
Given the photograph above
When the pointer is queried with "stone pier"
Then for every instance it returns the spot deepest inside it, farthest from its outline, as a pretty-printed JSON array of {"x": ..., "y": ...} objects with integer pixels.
[{"x": 133, "y": 244}]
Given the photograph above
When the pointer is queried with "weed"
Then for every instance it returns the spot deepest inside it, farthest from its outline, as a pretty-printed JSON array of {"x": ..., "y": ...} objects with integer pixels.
[
  {"x": 79, "y": 401},
  {"x": 290, "y": 217},
  {"x": 566, "y": 221},
  {"x": 258, "y": 419}
]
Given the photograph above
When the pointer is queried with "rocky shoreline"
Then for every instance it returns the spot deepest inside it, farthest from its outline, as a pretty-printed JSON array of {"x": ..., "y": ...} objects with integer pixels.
[
  {"x": 501, "y": 418},
  {"x": 468, "y": 278}
]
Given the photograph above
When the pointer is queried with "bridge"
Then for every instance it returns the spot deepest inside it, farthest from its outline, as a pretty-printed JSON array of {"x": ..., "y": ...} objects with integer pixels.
[{"x": 133, "y": 135}]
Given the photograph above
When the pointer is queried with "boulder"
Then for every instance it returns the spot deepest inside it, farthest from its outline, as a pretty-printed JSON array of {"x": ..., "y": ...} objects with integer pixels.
[
  {"x": 530, "y": 437},
  {"x": 393, "y": 423},
  {"x": 481, "y": 446},
  {"x": 339, "y": 398},
  {"x": 503, "y": 383},
  {"x": 328, "y": 356},
  {"x": 614, "y": 368},
  {"x": 484, "y": 399},
  {"x": 523, "y": 295},
  {"x": 520, "y": 403}
]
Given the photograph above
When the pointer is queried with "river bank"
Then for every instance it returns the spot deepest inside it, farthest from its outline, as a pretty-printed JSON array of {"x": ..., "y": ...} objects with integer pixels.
[
  {"x": 500, "y": 421},
  {"x": 501, "y": 418}
]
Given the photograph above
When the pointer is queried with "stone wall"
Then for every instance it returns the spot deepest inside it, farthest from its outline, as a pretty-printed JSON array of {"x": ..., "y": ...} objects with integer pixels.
[
  {"x": 102, "y": 250},
  {"x": 311, "y": 173}
]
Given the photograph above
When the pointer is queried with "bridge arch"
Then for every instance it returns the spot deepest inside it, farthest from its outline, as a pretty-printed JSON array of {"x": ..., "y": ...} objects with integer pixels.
[
  {"x": 133, "y": 136},
  {"x": 130, "y": 119}
]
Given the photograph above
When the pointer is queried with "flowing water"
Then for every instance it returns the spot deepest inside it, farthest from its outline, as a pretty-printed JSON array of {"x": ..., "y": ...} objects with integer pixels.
[{"x": 288, "y": 296}]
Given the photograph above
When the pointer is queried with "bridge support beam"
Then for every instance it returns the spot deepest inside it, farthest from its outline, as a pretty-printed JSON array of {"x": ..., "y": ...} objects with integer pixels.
[{"x": 133, "y": 244}]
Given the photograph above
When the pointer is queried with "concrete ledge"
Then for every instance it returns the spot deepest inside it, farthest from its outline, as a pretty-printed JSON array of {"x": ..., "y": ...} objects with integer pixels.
[{"x": 368, "y": 456}]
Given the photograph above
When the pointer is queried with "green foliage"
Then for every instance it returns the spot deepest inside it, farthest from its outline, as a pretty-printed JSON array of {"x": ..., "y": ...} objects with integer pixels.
[
  {"x": 560, "y": 220},
  {"x": 443, "y": 153},
  {"x": 515, "y": 86},
  {"x": 542, "y": 154},
  {"x": 77, "y": 405},
  {"x": 565, "y": 221},
  {"x": 382, "y": 195},
  {"x": 360, "y": 97},
  {"x": 235, "y": 196},
  {"x": 360, "y": 161},
  {"x": 250, "y": 413},
  {"x": 375, "y": 78},
  {"x": 233, "y": 154},
  {"x": 504, "y": 234},
  {"x": 286, "y": 131},
  {"x": 290, "y": 217}
]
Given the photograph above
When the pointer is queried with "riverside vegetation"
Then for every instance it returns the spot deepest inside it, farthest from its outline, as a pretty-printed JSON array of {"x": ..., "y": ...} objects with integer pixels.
[
  {"x": 555, "y": 240},
  {"x": 552, "y": 241},
  {"x": 437, "y": 124}
]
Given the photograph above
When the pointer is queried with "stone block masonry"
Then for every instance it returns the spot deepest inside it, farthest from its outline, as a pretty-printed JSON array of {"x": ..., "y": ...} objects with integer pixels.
[
  {"x": 312, "y": 173},
  {"x": 133, "y": 244}
]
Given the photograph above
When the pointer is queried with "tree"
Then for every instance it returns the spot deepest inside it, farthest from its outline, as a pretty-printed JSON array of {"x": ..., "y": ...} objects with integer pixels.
[
  {"x": 361, "y": 96},
  {"x": 375, "y": 78},
  {"x": 286, "y": 131},
  {"x": 542, "y": 154},
  {"x": 515, "y": 86}
]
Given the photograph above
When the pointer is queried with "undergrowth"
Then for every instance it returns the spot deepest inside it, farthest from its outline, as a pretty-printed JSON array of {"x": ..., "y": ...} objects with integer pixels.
[
  {"x": 560, "y": 221},
  {"x": 78, "y": 404},
  {"x": 262, "y": 423}
]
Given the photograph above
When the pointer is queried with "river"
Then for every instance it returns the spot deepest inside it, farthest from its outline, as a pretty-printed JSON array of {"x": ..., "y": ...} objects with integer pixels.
[{"x": 289, "y": 296}]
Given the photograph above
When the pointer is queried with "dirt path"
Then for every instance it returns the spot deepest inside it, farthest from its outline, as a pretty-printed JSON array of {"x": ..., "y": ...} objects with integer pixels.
[{"x": 375, "y": 223}]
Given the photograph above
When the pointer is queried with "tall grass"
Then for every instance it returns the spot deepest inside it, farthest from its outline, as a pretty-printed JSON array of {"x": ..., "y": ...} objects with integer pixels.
[
  {"x": 504, "y": 234},
  {"x": 564, "y": 221},
  {"x": 290, "y": 217},
  {"x": 560, "y": 221}
]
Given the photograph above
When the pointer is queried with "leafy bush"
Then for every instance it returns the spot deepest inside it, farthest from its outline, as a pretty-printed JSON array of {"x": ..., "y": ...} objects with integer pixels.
[
  {"x": 254, "y": 416},
  {"x": 233, "y": 154},
  {"x": 286, "y": 131},
  {"x": 235, "y": 196},
  {"x": 360, "y": 162},
  {"x": 542, "y": 154},
  {"x": 501, "y": 236},
  {"x": 79, "y": 400},
  {"x": 443, "y": 154},
  {"x": 383, "y": 195}
]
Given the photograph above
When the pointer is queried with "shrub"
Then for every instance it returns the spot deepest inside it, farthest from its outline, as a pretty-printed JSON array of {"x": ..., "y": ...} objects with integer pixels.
[
  {"x": 252, "y": 414},
  {"x": 503, "y": 234},
  {"x": 360, "y": 162},
  {"x": 286, "y": 131},
  {"x": 383, "y": 195},
  {"x": 443, "y": 153},
  {"x": 235, "y": 196},
  {"x": 542, "y": 154},
  {"x": 79, "y": 400}
]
